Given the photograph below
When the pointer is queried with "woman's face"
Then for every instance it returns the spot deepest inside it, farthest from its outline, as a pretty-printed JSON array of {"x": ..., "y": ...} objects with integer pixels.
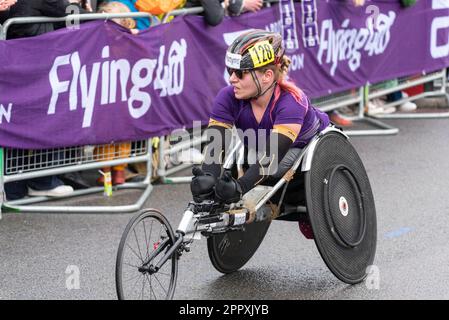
[{"x": 245, "y": 87}]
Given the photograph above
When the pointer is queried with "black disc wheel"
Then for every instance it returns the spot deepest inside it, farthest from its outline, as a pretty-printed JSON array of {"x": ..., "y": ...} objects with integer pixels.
[
  {"x": 341, "y": 208},
  {"x": 146, "y": 239}
]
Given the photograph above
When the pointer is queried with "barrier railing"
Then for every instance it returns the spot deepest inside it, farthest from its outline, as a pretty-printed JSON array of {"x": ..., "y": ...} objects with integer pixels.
[
  {"x": 180, "y": 12},
  {"x": 166, "y": 151},
  {"x": 436, "y": 81},
  {"x": 70, "y": 19},
  {"x": 350, "y": 98},
  {"x": 19, "y": 165}
]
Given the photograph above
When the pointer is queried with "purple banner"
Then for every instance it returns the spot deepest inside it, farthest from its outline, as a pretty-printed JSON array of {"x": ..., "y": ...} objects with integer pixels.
[
  {"x": 289, "y": 34},
  {"x": 309, "y": 23},
  {"x": 100, "y": 84}
]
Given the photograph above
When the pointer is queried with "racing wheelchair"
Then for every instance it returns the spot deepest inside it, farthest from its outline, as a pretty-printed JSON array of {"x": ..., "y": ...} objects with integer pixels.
[{"x": 339, "y": 207}]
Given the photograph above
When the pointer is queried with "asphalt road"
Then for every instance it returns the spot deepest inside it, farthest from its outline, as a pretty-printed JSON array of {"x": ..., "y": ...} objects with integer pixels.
[{"x": 409, "y": 174}]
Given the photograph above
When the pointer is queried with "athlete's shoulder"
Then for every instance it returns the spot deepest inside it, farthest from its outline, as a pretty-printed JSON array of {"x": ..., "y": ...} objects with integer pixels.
[{"x": 288, "y": 99}]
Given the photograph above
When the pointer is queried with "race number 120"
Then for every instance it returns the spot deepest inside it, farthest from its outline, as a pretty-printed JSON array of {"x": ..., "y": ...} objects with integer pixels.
[{"x": 262, "y": 53}]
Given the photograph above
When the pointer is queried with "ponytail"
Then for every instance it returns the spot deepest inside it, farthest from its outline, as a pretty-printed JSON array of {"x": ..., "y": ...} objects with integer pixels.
[{"x": 287, "y": 85}]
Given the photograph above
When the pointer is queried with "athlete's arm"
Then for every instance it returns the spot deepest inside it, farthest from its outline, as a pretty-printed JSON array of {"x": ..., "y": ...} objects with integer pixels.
[
  {"x": 218, "y": 140},
  {"x": 204, "y": 180},
  {"x": 281, "y": 138},
  {"x": 230, "y": 190}
]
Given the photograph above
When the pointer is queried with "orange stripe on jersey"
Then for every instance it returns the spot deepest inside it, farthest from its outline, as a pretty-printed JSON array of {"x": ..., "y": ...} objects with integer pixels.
[
  {"x": 213, "y": 122},
  {"x": 286, "y": 131}
]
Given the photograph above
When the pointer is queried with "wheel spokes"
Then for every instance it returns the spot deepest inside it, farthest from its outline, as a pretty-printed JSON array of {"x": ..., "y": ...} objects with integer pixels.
[
  {"x": 131, "y": 259},
  {"x": 146, "y": 240},
  {"x": 138, "y": 246},
  {"x": 160, "y": 284},
  {"x": 136, "y": 254}
]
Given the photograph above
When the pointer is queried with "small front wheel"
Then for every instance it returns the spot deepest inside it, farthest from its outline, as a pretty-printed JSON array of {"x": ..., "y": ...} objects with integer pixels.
[{"x": 146, "y": 239}]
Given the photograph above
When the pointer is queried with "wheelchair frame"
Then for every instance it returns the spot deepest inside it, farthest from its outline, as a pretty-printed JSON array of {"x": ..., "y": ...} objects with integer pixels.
[
  {"x": 189, "y": 227},
  {"x": 209, "y": 218}
]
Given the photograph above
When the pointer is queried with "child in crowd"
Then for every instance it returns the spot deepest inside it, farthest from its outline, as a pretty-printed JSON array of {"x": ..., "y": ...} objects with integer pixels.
[
  {"x": 119, "y": 7},
  {"x": 141, "y": 23},
  {"x": 121, "y": 150}
]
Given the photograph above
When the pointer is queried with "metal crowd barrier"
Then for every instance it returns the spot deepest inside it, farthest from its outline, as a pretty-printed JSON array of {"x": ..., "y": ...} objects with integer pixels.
[
  {"x": 349, "y": 98},
  {"x": 17, "y": 165},
  {"x": 165, "y": 152},
  {"x": 20, "y": 165},
  {"x": 70, "y": 19},
  {"x": 436, "y": 80},
  {"x": 180, "y": 12},
  {"x": 168, "y": 152}
]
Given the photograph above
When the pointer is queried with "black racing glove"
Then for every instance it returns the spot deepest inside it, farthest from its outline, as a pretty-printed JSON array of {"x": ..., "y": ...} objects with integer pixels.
[
  {"x": 228, "y": 189},
  {"x": 202, "y": 185}
]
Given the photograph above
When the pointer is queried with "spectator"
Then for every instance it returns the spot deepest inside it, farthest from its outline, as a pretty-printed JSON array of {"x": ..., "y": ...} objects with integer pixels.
[
  {"x": 4, "y": 9},
  {"x": 158, "y": 7},
  {"x": 119, "y": 7},
  {"x": 121, "y": 150},
  {"x": 214, "y": 11},
  {"x": 252, "y": 5},
  {"x": 339, "y": 119},
  {"x": 358, "y": 3},
  {"x": 44, "y": 186},
  {"x": 5, "y": 4},
  {"x": 36, "y": 8},
  {"x": 408, "y": 3},
  {"x": 141, "y": 23},
  {"x": 379, "y": 105},
  {"x": 407, "y": 106},
  {"x": 110, "y": 152}
]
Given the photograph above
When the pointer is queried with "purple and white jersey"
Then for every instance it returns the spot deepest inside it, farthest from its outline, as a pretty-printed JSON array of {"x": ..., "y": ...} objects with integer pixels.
[{"x": 285, "y": 110}]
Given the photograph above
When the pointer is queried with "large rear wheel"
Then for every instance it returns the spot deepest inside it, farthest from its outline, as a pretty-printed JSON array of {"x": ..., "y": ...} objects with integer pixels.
[{"x": 341, "y": 209}]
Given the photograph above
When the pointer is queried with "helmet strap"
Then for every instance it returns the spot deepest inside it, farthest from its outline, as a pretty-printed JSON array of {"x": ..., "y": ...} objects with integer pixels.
[
  {"x": 271, "y": 86},
  {"x": 259, "y": 88},
  {"x": 256, "y": 81}
]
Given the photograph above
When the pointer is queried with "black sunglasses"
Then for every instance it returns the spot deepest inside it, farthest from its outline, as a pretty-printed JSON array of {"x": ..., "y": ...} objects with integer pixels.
[{"x": 238, "y": 73}]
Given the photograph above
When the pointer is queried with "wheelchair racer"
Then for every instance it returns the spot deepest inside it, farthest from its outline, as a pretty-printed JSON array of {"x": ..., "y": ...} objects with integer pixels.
[{"x": 259, "y": 98}]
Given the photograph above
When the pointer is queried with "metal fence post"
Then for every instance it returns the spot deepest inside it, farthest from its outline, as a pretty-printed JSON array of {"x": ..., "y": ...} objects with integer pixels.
[
  {"x": 2, "y": 33},
  {"x": 2, "y": 189}
]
